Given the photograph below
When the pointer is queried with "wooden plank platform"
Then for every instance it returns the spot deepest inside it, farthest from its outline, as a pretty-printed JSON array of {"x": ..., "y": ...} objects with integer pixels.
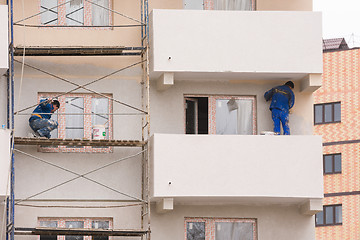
[
  {"x": 77, "y": 51},
  {"x": 77, "y": 142},
  {"x": 79, "y": 232}
]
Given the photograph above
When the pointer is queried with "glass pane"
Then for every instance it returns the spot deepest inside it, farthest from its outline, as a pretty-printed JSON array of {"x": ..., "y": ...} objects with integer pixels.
[
  {"x": 337, "y": 112},
  {"x": 328, "y": 113},
  {"x": 190, "y": 117},
  {"x": 329, "y": 214},
  {"x": 75, "y": 13},
  {"x": 74, "y": 123},
  {"x": 337, "y": 163},
  {"x": 194, "y": 4},
  {"x": 48, "y": 237},
  {"x": 100, "y": 225},
  {"x": 233, "y": 231},
  {"x": 195, "y": 230},
  {"x": 74, "y": 224},
  {"x": 100, "y": 16},
  {"x": 233, "y": 4},
  {"x": 328, "y": 166},
  {"x": 100, "y": 105},
  {"x": 74, "y": 133},
  {"x": 319, "y": 218},
  {"x": 338, "y": 214},
  {"x": 318, "y": 113},
  {"x": 50, "y": 12},
  {"x": 51, "y": 224},
  {"x": 234, "y": 116}
]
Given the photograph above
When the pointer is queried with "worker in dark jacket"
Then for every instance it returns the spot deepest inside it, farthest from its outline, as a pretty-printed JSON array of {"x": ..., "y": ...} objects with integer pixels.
[
  {"x": 40, "y": 121},
  {"x": 282, "y": 99}
]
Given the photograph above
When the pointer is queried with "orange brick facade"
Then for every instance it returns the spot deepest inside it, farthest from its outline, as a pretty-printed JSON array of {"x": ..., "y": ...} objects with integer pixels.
[{"x": 341, "y": 80}]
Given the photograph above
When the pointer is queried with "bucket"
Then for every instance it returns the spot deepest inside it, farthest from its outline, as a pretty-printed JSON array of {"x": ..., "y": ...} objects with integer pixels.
[{"x": 99, "y": 132}]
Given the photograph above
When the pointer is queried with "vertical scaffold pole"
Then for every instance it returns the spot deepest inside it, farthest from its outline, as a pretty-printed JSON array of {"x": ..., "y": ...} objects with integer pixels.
[{"x": 11, "y": 232}]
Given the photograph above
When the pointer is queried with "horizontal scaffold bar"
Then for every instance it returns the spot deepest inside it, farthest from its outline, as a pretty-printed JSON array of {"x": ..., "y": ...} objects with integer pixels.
[
  {"x": 79, "y": 232},
  {"x": 78, "y": 142}
]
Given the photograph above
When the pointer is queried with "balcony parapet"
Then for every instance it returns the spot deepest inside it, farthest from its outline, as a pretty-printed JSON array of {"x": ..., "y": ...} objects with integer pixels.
[
  {"x": 236, "y": 45},
  {"x": 237, "y": 169}
]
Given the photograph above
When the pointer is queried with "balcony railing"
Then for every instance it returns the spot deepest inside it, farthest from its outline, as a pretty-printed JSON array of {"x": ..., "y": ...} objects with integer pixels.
[{"x": 236, "y": 168}]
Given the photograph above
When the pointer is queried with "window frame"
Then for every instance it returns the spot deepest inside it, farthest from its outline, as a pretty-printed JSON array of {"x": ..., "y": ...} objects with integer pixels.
[
  {"x": 87, "y": 16},
  {"x": 334, "y": 216},
  {"x": 332, "y": 104},
  {"x": 61, "y": 130},
  {"x": 212, "y": 109},
  {"x": 211, "y": 221},
  {"x": 61, "y": 223},
  {"x": 332, "y": 163}
]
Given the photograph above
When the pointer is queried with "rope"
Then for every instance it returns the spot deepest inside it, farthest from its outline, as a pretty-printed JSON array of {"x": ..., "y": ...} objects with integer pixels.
[{"x": 79, "y": 175}]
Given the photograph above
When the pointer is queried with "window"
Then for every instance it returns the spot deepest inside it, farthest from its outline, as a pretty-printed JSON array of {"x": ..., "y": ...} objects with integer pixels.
[
  {"x": 220, "y": 229},
  {"x": 220, "y": 4},
  {"x": 223, "y": 115},
  {"x": 332, "y": 163},
  {"x": 75, "y": 12},
  {"x": 104, "y": 223},
  {"x": 331, "y": 215},
  {"x": 327, "y": 113},
  {"x": 78, "y": 115}
]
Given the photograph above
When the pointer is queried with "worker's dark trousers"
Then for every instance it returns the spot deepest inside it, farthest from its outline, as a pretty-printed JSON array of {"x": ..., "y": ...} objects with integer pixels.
[{"x": 43, "y": 126}]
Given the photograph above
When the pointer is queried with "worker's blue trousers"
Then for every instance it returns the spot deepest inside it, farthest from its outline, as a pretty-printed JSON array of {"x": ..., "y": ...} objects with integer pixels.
[
  {"x": 283, "y": 117},
  {"x": 43, "y": 126}
]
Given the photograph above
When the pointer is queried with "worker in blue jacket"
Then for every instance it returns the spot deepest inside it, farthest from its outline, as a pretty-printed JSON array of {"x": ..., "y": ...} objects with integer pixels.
[
  {"x": 282, "y": 100},
  {"x": 40, "y": 121}
]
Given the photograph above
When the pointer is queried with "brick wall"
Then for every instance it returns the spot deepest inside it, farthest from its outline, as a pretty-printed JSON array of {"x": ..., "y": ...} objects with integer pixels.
[{"x": 341, "y": 83}]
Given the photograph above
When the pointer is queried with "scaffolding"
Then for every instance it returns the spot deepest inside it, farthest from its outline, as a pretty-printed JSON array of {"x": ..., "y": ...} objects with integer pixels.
[{"x": 142, "y": 53}]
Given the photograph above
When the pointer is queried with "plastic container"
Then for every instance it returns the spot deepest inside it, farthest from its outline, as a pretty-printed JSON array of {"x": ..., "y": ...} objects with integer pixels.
[{"x": 99, "y": 132}]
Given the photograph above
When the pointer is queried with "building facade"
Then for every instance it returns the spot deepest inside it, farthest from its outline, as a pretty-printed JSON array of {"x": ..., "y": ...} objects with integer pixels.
[
  {"x": 196, "y": 72},
  {"x": 336, "y": 113}
]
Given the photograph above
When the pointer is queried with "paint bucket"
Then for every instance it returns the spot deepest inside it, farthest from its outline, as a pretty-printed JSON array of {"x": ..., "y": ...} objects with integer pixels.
[{"x": 99, "y": 132}]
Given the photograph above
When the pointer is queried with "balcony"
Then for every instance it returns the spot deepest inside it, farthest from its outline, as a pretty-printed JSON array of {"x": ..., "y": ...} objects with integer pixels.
[
  {"x": 237, "y": 169},
  {"x": 236, "y": 45},
  {"x": 4, "y": 56}
]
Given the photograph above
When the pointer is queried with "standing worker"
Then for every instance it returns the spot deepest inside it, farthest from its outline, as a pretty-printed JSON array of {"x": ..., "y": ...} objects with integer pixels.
[
  {"x": 40, "y": 121},
  {"x": 282, "y": 99}
]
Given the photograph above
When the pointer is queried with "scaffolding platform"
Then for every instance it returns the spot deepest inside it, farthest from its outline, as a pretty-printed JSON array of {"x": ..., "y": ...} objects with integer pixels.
[
  {"x": 78, "y": 142},
  {"x": 79, "y": 232},
  {"x": 77, "y": 51}
]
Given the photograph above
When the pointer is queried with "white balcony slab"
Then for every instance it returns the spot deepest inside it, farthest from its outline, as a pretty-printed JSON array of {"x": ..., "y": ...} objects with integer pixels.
[
  {"x": 241, "y": 45},
  {"x": 4, "y": 56},
  {"x": 5, "y": 160},
  {"x": 230, "y": 169}
]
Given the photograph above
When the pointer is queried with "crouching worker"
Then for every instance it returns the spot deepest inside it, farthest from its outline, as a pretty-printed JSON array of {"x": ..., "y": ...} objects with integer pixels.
[
  {"x": 282, "y": 99},
  {"x": 40, "y": 121}
]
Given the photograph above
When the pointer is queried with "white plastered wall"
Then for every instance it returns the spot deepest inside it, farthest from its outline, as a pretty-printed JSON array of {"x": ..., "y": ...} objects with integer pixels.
[
  {"x": 273, "y": 222},
  {"x": 168, "y": 113}
]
